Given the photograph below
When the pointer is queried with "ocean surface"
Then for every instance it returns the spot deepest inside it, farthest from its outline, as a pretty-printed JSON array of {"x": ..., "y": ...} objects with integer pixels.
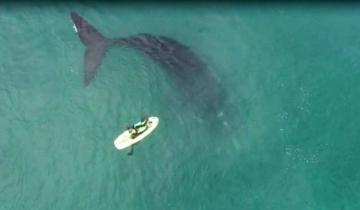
[{"x": 292, "y": 140}]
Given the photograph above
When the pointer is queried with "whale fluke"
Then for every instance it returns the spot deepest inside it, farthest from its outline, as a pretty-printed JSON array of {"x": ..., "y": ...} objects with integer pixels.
[{"x": 96, "y": 46}]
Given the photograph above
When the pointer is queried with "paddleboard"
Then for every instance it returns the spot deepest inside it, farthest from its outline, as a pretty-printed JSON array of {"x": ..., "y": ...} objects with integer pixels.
[{"x": 124, "y": 140}]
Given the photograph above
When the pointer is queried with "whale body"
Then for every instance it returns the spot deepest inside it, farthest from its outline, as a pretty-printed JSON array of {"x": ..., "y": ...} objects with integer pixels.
[{"x": 190, "y": 74}]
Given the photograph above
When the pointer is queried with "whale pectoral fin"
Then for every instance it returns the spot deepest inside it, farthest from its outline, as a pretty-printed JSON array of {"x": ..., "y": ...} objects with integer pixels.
[{"x": 92, "y": 60}]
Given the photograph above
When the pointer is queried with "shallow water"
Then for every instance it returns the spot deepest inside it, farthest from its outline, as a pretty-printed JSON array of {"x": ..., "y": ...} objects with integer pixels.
[{"x": 291, "y": 73}]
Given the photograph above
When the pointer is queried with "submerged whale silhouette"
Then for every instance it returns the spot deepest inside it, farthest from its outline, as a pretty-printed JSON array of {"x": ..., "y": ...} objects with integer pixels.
[{"x": 188, "y": 71}]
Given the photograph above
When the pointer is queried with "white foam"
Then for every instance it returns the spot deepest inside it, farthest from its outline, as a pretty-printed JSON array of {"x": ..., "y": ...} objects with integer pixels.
[{"x": 75, "y": 29}]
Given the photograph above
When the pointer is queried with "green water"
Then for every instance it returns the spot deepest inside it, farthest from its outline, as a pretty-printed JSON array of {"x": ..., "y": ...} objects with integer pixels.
[{"x": 292, "y": 72}]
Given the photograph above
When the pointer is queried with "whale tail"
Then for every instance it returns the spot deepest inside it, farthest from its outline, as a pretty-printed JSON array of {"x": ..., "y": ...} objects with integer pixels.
[{"x": 96, "y": 46}]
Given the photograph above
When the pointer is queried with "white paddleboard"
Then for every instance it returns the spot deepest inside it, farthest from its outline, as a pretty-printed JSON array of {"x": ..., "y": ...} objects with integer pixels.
[{"x": 124, "y": 140}]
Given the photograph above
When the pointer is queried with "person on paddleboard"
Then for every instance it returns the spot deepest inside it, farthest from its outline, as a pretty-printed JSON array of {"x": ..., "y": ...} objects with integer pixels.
[{"x": 139, "y": 128}]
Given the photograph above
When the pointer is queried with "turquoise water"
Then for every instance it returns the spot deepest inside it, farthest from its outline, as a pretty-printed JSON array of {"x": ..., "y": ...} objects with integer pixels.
[{"x": 291, "y": 71}]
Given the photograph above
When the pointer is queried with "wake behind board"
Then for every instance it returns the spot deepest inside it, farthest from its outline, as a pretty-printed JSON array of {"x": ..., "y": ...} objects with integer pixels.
[{"x": 124, "y": 140}]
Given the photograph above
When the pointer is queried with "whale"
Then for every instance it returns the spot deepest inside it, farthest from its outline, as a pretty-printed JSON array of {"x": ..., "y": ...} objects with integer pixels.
[{"x": 187, "y": 70}]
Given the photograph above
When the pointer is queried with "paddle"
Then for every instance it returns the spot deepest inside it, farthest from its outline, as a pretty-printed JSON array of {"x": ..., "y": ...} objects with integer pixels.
[{"x": 131, "y": 150}]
